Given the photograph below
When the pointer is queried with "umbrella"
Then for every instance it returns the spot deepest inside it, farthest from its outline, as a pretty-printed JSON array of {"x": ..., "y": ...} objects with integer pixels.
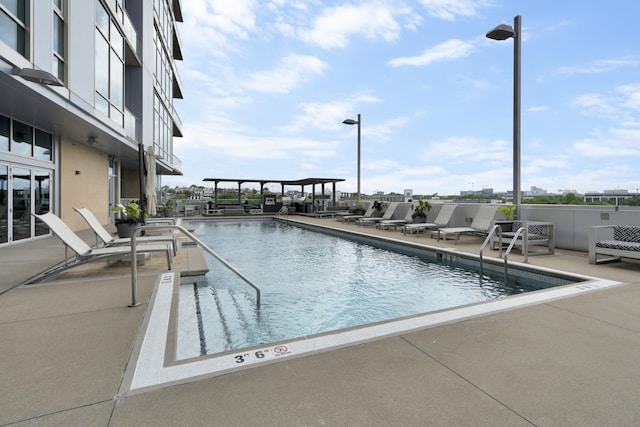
[{"x": 150, "y": 183}]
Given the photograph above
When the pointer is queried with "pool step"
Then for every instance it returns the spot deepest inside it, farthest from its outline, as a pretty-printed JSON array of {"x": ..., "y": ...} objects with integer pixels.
[{"x": 227, "y": 312}]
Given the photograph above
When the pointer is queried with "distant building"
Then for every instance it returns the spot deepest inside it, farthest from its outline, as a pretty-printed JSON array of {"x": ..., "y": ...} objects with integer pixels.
[{"x": 611, "y": 196}]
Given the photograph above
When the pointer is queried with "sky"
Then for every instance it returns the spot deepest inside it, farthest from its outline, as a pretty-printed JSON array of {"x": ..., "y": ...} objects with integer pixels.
[{"x": 268, "y": 83}]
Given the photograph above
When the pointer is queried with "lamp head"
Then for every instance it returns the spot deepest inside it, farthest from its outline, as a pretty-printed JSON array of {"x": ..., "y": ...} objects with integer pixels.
[
  {"x": 501, "y": 32},
  {"x": 37, "y": 76},
  {"x": 350, "y": 122}
]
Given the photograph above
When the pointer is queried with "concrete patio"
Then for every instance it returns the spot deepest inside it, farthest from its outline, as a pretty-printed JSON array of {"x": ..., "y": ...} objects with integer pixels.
[{"x": 67, "y": 344}]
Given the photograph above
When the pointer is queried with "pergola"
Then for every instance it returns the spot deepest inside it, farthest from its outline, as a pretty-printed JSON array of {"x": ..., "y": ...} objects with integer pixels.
[{"x": 301, "y": 182}]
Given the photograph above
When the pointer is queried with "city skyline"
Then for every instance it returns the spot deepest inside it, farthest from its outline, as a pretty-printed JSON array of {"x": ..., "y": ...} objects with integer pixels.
[{"x": 268, "y": 84}]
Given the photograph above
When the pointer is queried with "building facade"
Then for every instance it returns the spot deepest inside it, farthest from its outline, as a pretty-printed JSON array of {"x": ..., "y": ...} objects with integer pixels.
[
  {"x": 614, "y": 197},
  {"x": 86, "y": 86}
]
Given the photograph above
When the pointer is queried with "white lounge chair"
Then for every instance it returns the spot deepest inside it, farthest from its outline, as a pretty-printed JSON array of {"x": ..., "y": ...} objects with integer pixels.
[
  {"x": 108, "y": 240},
  {"x": 479, "y": 226},
  {"x": 388, "y": 213},
  {"x": 353, "y": 218},
  {"x": 84, "y": 252},
  {"x": 388, "y": 223},
  {"x": 442, "y": 220}
]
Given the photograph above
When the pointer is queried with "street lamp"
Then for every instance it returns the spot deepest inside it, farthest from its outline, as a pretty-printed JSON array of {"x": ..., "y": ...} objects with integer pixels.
[
  {"x": 356, "y": 122},
  {"x": 503, "y": 32}
]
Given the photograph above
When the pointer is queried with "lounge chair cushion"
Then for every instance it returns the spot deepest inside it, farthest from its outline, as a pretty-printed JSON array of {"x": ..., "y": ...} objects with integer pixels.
[
  {"x": 626, "y": 233},
  {"x": 619, "y": 244},
  {"x": 625, "y": 238}
]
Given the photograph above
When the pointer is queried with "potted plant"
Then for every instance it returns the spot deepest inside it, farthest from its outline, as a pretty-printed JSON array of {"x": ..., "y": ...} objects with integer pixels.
[
  {"x": 130, "y": 218},
  {"x": 508, "y": 211},
  {"x": 378, "y": 209},
  {"x": 359, "y": 209},
  {"x": 168, "y": 208},
  {"x": 419, "y": 214}
]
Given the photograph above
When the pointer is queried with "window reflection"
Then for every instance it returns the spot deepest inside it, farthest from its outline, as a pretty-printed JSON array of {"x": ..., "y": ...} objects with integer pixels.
[
  {"x": 4, "y": 202},
  {"x": 42, "y": 181},
  {"x": 21, "y": 180},
  {"x": 22, "y": 141},
  {"x": 42, "y": 149}
]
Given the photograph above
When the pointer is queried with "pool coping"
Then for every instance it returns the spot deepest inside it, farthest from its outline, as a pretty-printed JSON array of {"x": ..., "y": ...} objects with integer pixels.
[{"x": 153, "y": 365}]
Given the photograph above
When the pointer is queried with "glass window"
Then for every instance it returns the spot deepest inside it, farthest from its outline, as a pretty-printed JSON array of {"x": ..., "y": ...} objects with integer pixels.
[
  {"x": 58, "y": 45},
  {"x": 102, "y": 104},
  {"x": 109, "y": 66},
  {"x": 117, "y": 41},
  {"x": 102, "y": 20},
  {"x": 4, "y": 133},
  {"x": 58, "y": 67},
  {"x": 22, "y": 141},
  {"x": 11, "y": 31},
  {"x": 117, "y": 116},
  {"x": 117, "y": 83},
  {"x": 14, "y": 6},
  {"x": 102, "y": 65},
  {"x": 43, "y": 148},
  {"x": 58, "y": 34}
]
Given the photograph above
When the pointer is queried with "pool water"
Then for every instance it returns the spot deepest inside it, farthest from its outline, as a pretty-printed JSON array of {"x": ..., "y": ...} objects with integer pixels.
[{"x": 314, "y": 282}]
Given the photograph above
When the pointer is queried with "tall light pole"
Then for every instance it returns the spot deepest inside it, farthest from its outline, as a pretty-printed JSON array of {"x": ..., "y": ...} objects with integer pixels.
[
  {"x": 503, "y": 32},
  {"x": 356, "y": 122}
]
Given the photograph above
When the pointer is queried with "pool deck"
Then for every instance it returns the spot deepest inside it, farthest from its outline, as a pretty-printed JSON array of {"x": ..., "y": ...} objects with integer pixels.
[{"x": 66, "y": 346}]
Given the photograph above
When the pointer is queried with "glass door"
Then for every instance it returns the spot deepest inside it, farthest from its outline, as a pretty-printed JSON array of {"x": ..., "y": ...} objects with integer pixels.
[
  {"x": 21, "y": 192},
  {"x": 41, "y": 198},
  {"x": 4, "y": 204}
]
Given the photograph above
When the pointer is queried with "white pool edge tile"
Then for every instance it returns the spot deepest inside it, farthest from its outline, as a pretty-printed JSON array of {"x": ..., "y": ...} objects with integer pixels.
[{"x": 151, "y": 372}]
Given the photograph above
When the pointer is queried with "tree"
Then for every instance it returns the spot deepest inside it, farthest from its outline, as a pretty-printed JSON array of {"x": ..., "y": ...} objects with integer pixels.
[
  {"x": 632, "y": 201},
  {"x": 571, "y": 199}
]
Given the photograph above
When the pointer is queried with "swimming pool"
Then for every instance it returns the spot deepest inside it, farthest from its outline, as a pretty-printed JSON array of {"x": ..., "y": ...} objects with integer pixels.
[
  {"x": 157, "y": 362},
  {"x": 315, "y": 283}
]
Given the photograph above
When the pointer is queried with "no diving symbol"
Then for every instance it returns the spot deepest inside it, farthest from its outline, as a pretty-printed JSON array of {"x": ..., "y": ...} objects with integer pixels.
[{"x": 280, "y": 350}]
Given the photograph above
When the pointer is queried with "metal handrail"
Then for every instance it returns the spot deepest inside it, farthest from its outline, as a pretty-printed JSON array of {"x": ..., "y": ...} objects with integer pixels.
[
  {"x": 513, "y": 242},
  {"x": 283, "y": 211},
  {"x": 134, "y": 264},
  {"x": 497, "y": 230}
]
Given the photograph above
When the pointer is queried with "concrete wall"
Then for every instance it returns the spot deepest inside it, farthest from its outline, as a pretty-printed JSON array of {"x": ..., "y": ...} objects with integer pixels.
[
  {"x": 571, "y": 222},
  {"x": 84, "y": 182}
]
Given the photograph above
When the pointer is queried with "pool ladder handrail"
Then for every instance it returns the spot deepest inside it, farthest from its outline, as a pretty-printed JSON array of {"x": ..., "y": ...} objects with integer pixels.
[
  {"x": 134, "y": 264},
  {"x": 497, "y": 231},
  {"x": 283, "y": 211}
]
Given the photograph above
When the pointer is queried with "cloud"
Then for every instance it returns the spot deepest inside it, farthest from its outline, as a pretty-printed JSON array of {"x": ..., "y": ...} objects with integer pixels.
[
  {"x": 288, "y": 74},
  {"x": 327, "y": 116},
  {"x": 226, "y": 138},
  {"x": 617, "y": 142},
  {"x": 450, "y": 9},
  {"x": 461, "y": 149},
  {"x": 621, "y": 105},
  {"x": 598, "y": 66},
  {"x": 632, "y": 94},
  {"x": 372, "y": 20},
  {"x": 448, "y": 50},
  {"x": 594, "y": 103},
  {"x": 213, "y": 27},
  {"x": 538, "y": 108}
]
